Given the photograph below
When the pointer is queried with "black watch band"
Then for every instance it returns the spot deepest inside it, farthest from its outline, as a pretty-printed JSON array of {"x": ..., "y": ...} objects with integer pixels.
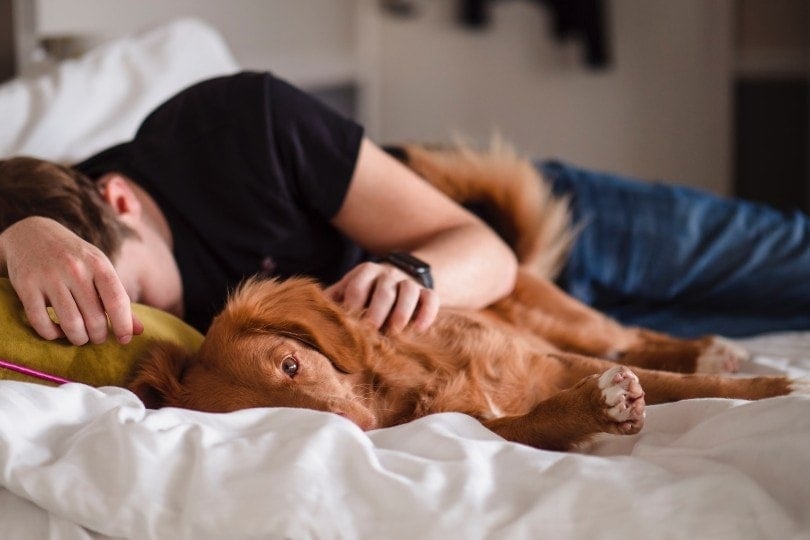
[{"x": 414, "y": 267}]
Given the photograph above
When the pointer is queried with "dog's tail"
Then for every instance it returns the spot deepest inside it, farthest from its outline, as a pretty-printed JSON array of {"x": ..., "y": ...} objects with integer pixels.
[{"x": 507, "y": 192}]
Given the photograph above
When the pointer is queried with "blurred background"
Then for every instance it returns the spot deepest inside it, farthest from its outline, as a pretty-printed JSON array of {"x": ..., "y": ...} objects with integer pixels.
[{"x": 708, "y": 93}]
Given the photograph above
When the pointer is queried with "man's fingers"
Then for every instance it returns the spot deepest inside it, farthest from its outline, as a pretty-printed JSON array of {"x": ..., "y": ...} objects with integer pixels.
[
  {"x": 407, "y": 298},
  {"x": 390, "y": 297},
  {"x": 335, "y": 291},
  {"x": 137, "y": 326},
  {"x": 116, "y": 303},
  {"x": 81, "y": 321},
  {"x": 95, "y": 320},
  {"x": 70, "y": 318},
  {"x": 92, "y": 312},
  {"x": 427, "y": 310},
  {"x": 358, "y": 285},
  {"x": 36, "y": 312},
  {"x": 384, "y": 299}
]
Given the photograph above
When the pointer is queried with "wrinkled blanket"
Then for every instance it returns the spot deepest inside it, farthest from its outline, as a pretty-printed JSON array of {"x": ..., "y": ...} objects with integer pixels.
[{"x": 78, "y": 462}]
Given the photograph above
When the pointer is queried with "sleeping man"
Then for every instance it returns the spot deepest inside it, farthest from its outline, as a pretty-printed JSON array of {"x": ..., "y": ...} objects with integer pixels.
[{"x": 246, "y": 174}]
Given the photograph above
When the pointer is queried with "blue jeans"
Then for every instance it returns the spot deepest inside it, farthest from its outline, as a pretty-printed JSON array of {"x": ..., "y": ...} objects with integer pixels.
[{"x": 681, "y": 260}]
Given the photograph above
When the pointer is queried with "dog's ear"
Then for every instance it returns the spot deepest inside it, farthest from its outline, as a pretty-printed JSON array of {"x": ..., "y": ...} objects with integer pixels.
[
  {"x": 300, "y": 309},
  {"x": 156, "y": 376},
  {"x": 331, "y": 334},
  {"x": 321, "y": 323}
]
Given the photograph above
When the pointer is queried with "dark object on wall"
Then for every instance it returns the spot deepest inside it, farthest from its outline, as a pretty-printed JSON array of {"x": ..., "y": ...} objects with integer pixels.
[
  {"x": 584, "y": 19},
  {"x": 400, "y": 8},
  {"x": 771, "y": 161}
]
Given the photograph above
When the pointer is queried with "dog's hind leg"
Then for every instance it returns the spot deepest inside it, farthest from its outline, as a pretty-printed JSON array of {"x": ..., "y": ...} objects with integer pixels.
[
  {"x": 539, "y": 306},
  {"x": 708, "y": 354}
]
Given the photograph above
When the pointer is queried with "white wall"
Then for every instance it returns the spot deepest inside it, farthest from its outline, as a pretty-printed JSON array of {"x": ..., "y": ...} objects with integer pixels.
[{"x": 661, "y": 111}]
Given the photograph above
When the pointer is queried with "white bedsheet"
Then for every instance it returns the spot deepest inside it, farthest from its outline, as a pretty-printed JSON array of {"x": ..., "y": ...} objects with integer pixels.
[{"x": 76, "y": 462}]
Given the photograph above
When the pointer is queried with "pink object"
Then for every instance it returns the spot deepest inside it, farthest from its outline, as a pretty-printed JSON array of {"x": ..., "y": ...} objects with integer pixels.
[{"x": 32, "y": 372}]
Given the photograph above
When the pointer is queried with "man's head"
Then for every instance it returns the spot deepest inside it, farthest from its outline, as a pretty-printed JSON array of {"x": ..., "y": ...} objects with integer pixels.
[
  {"x": 113, "y": 213},
  {"x": 33, "y": 187}
]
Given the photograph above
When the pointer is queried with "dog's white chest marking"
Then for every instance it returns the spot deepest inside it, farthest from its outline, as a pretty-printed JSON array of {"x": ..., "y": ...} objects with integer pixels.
[{"x": 494, "y": 410}]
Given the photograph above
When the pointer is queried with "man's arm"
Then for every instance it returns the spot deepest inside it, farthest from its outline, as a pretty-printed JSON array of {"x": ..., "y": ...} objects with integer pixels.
[{"x": 387, "y": 208}]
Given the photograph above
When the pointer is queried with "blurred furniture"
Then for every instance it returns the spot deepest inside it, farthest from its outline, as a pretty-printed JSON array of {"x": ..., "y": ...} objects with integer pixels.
[
  {"x": 772, "y": 102},
  {"x": 17, "y": 37}
]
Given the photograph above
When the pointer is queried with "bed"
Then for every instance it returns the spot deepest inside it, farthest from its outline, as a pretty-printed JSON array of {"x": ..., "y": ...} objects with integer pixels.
[{"x": 78, "y": 461}]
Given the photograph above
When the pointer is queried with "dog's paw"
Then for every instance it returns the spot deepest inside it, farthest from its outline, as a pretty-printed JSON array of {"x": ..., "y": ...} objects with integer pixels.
[
  {"x": 800, "y": 387},
  {"x": 623, "y": 400},
  {"x": 721, "y": 356}
]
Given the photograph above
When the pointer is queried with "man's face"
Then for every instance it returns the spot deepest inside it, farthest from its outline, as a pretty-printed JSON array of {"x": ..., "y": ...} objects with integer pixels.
[{"x": 149, "y": 273}]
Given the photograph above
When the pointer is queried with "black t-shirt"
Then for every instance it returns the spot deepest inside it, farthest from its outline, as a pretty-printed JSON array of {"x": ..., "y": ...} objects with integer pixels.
[{"x": 248, "y": 171}]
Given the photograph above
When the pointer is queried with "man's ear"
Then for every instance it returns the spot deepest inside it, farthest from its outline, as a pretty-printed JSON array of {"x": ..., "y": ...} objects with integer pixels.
[{"x": 117, "y": 191}]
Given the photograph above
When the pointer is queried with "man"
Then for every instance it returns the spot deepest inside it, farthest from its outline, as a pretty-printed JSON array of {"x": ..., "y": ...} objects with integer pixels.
[
  {"x": 239, "y": 175},
  {"x": 246, "y": 174}
]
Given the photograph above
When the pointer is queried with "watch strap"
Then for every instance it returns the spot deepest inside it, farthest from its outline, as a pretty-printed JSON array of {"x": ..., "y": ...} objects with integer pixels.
[{"x": 413, "y": 266}]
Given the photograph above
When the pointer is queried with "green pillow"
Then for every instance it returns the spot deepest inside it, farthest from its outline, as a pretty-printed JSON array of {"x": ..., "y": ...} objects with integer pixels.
[{"x": 106, "y": 364}]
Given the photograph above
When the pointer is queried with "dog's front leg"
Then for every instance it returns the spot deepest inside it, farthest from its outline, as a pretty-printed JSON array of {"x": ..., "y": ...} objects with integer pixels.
[{"x": 612, "y": 402}]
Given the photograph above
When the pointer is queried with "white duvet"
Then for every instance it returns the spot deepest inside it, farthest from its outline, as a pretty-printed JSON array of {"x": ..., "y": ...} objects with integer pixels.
[{"x": 77, "y": 462}]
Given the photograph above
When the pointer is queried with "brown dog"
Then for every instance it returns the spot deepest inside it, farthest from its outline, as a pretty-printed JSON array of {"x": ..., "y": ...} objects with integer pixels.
[{"x": 537, "y": 367}]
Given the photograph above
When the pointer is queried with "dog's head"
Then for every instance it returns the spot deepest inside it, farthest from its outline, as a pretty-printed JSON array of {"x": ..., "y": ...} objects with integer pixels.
[{"x": 276, "y": 344}]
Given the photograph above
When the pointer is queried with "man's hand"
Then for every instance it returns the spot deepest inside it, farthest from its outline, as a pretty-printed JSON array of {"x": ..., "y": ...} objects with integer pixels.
[
  {"x": 390, "y": 296},
  {"x": 48, "y": 265}
]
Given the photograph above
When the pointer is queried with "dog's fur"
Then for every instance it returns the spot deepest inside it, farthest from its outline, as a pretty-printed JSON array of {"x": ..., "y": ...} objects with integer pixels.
[{"x": 537, "y": 367}]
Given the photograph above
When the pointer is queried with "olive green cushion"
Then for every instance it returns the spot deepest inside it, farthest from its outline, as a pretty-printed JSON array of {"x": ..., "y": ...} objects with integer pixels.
[{"x": 98, "y": 365}]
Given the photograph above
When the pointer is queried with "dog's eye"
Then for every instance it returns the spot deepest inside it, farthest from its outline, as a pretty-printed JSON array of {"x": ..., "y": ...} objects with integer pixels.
[{"x": 289, "y": 365}]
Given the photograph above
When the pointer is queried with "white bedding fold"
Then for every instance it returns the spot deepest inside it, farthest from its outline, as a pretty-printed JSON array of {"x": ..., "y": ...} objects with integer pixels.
[{"x": 95, "y": 460}]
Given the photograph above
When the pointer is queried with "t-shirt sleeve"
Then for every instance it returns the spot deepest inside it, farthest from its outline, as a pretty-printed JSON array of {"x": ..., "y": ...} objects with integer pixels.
[
  {"x": 251, "y": 128},
  {"x": 315, "y": 147}
]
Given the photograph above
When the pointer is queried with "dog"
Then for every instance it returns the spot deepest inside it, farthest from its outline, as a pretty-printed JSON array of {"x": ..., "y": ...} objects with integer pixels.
[{"x": 537, "y": 367}]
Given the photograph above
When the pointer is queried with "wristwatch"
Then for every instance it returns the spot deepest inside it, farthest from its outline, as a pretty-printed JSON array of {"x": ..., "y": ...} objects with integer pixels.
[{"x": 413, "y": 266}]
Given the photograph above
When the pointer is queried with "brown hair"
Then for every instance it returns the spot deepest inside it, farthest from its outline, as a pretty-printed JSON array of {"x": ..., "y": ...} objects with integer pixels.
[{"x": 34, "y": 187}]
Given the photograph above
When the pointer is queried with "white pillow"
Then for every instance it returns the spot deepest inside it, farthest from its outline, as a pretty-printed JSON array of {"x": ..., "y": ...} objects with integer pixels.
[{"x": 85, "y": 105}]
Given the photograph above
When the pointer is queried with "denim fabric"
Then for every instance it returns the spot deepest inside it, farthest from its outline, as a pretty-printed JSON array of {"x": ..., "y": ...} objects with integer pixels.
[{"x": 681, "y": 260}]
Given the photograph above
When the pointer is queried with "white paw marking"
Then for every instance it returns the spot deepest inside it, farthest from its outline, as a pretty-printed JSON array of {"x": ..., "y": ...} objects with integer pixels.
[
  {"x": 722, "y": 356},
  {"x": 800, "y": 386},
  {"x": 620, "y": 388}
]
